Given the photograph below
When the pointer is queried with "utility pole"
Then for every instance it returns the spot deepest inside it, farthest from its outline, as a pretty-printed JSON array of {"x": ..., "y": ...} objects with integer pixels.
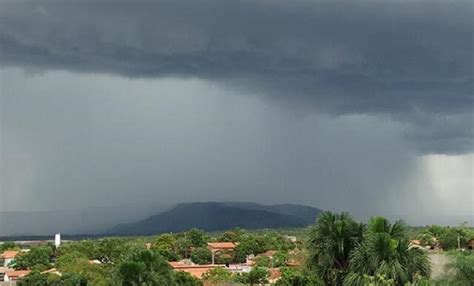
[{"x": 185, "y": 247}]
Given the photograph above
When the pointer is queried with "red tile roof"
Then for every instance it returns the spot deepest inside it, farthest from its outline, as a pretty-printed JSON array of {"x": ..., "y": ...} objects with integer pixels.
[
  {"x": 9, "y": 254},
  {"x": 195, "y": 270},
  {"x": 14, "y": 275},
  {"x": 221, "y": 245}
]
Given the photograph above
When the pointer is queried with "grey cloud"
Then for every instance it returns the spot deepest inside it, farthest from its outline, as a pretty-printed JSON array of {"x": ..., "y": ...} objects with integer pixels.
[
  {"x": 408, "y": 60},
  {"x": 92, "y": 140}
]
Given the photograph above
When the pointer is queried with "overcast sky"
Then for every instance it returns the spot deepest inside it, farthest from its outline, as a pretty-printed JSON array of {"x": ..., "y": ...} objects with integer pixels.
[{"x": 361, "y": 106}]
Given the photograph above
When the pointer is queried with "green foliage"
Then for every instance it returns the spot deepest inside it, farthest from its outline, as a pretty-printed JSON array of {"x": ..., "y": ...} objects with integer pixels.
[
  {"x": 279, "y": 259},
  {"x": 201, "y": 255},
  {"x": 165, "y": 245},
  {"x": 262, "y": 261},
  {"x": 145, "y": 268},
  {"x": 248, "y": 245},
  {"x": 185, "y": 279},
  {"x": 76, "y": 263},
  {"x": 69, "y": 279},
  {"x": 382, "y": 225},
  {"x": 462, "y": 268},
  {"x": 35, "y": 278},
  {"x": 183, "y": 247},
  {"x": 216, "y": 275},
  {"x": 38, "y": 258},
  {"x": 447, "y": 236},
  {"x": 339, "y": 251},
  {"x": 292, "y": 277},
  {"x": 197, "y": 237},
  {"x": 231, "y": 235},
  {"x": 224, "y": 257},
  {"x": 258, "y": 275},
  {"x": 377, "y": 280},
  {"x": 8, "y": 245},
  {"x": 86, "y": 247},
  {"x": 112, "y": 250},
  {"x": 330, "y": 244},
  {"x": 385, "y": 253}
]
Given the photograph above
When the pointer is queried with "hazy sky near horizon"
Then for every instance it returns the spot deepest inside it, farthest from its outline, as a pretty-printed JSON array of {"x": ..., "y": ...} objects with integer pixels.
[{"x": 361, "y": 106}]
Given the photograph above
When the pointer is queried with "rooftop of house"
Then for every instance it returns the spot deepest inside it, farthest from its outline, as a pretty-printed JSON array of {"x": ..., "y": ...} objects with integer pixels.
[
  {"x": 9, "y": 254},
  {"x": 17, "y": 273},
  {"x": 221, "y": 245},
  {"x": 193, "y": 269}
]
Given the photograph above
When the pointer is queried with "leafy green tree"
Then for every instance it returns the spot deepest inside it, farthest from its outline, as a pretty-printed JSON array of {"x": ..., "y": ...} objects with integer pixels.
[
  {"x": 69, "y": 279},
  {"x": 448, "y": 236},
  {"x": 386, "y": 253},
  {"x": 165, "y": 245},
  {"x": 262, "y": 261},
  {"x": 248, "y": 245},
  {"x": 217, "y": 275},
  {"x": 111, "y": 250},
  {"x": 145, "y": 268},
  {"x": 35, "y": 278},
  {"x": 185, "y": 279},
  {"x": 183, "y": 247},
  {"x": 77, "y": 264},
  {"x": 38, "y": 258},
  {"x": 86, "y": 247},
  {"x": 201, "y": 255},
  {"x": 279, "y": 259},
  {"x": 293, "y": 277},
  {"x": 231, "y": 235},
  {"x": 197, "y": 237},
  {"x": 8, "y": 245},
  {"x": 330, "y": 244},
  {"x": 258, "y": 275}
]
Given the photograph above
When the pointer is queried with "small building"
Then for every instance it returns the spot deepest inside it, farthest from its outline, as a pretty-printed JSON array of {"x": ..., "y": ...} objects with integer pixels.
[
  {"x": 14, "y": 275},
  {"x": 2, "y": 273},
  {"x": 57, "y": 240},
  {"x": 8, "y": 256},
  {"x": 219, "y": 247},
  {"x": 470, "y": 244}
]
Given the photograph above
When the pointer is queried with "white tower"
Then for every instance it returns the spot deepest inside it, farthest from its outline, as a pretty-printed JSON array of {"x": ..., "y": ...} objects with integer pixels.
[{"x": 57, "y": 239}]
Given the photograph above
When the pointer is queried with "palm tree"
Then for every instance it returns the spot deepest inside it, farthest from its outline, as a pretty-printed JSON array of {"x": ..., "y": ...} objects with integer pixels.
[
  {"x": 330, "y": 244},
  {"x": 385, "y": 251}
]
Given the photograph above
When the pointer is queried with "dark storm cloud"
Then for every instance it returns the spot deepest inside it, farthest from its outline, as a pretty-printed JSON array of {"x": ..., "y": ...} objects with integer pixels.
[{"x": 408, "y": 60}]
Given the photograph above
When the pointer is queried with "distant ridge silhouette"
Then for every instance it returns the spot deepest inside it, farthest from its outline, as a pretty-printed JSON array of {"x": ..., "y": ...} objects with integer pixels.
[{"x": 211, "y": 216}]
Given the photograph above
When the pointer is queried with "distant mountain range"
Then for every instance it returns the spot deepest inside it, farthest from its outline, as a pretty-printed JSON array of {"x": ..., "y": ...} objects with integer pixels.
[
  {"x": 212, "y": 216},
  {"x": 92, "y": 220}
]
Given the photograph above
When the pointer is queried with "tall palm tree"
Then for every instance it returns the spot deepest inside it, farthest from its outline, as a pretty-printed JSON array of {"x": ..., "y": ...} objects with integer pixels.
[
  {"x": 330, "y": 244},
  {"x": 386, "y": 251}
]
